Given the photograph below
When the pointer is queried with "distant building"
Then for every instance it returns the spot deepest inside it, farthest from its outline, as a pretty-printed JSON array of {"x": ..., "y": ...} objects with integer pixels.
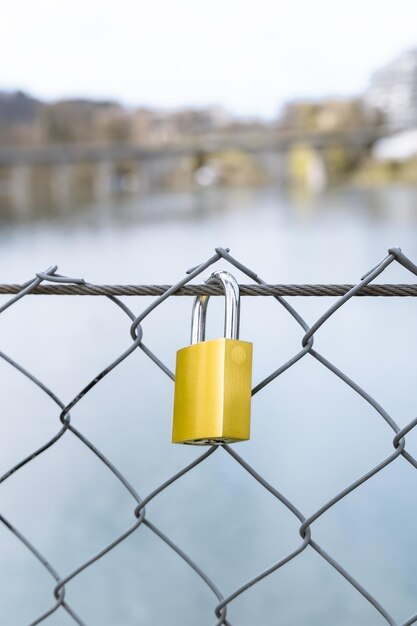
[
  {"x": 159, "y": 127},
  {"x": 202, "y": 120},
  {"x": 327, "y": 115},
  {"x": 79, "y": 120},
  {"x": 393, "y": 91},
  {"x": 154, "y": 127}
]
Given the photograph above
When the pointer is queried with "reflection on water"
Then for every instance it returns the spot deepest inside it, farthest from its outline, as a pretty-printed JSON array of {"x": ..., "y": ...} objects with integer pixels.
[
  {"x": 311, "y": 435},
  {"x": 396, "y": 204}
]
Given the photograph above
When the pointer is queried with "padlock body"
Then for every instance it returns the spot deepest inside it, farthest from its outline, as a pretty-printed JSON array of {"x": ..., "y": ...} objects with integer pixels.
[{"x": 212, "y": 399}]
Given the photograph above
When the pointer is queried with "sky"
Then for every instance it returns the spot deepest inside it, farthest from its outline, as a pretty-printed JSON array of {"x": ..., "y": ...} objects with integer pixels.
[{"x": 249, "y": 56}]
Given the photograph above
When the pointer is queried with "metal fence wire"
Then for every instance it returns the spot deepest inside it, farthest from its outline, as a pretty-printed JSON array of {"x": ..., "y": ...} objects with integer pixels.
[{"x": 50, "y": 282}]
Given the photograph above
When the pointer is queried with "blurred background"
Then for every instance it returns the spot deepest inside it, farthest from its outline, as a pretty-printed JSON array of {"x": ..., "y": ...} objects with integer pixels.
[{"x": 134, "y": 138}]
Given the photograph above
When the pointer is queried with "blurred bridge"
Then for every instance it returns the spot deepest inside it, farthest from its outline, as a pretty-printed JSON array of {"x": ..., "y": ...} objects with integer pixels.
[
  {"x": 257, "y": 143},
  {"x": 57, "y": 172}
]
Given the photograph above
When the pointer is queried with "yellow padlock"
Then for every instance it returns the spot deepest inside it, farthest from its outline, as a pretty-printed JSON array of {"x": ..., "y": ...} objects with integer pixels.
[{"x": 212, "y": 399}]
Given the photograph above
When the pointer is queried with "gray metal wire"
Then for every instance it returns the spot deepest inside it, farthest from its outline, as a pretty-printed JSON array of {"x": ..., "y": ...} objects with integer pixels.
[
  {"x": 211, "y": 290},
  {"x": 69, "y": 286}
]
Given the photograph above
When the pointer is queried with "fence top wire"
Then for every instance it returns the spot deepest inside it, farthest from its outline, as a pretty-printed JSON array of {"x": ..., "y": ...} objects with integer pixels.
[
  {"x": 62, "y": 286},
  {"x": 84, "y": 289},
  {"x": 66, "y": 286}
]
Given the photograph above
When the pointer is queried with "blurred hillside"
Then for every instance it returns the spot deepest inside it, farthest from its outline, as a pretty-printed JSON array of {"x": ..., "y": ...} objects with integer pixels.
[{"x": 26, "y": 121}]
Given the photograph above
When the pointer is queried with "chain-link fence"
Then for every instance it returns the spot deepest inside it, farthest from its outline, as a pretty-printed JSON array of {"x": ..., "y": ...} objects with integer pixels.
[{"x": 50, "y": 282}]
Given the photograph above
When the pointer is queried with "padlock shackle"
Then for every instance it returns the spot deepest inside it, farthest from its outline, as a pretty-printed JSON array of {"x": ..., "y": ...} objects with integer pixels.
[{"x": 232, "y": 308}]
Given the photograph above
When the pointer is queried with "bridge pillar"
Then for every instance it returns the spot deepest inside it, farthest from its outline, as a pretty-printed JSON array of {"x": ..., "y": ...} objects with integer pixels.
[
  {"x": 103, "y": 180},
  {"x": 152, "y": 173},
  {"x": 307, "y": 167},
  {"x": 61, "y": 185},
  {"x": 274, "y": 165},
  {"x": 19, "y": 188},
  {"x": 144, "y": 176}
]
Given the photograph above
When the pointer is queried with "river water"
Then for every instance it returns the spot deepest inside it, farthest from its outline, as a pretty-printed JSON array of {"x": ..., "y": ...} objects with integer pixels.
[{"x": 311, "y": 435}]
